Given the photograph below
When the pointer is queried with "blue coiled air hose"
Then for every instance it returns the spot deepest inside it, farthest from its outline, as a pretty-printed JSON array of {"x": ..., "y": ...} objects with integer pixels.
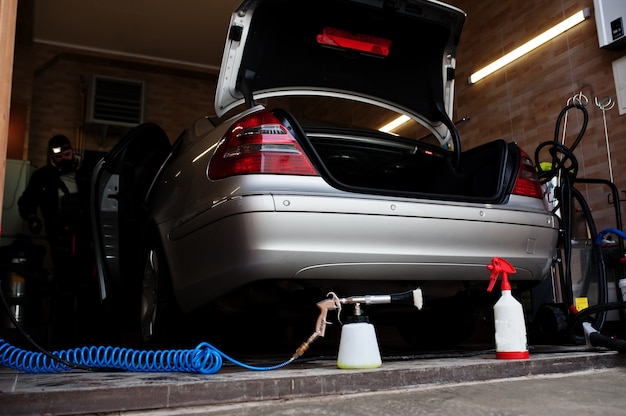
[{"x": 204, "y": 359}]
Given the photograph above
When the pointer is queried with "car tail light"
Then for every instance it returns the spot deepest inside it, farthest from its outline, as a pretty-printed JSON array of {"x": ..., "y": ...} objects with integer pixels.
[
  {"x": 259, "y": 143},
  {"x": 527, "y": 183},
  {"x": 345, "y": 40}
]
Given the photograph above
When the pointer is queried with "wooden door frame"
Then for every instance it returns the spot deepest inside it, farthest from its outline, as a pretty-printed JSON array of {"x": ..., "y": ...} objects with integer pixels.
[{"x": 8, "y": 18}]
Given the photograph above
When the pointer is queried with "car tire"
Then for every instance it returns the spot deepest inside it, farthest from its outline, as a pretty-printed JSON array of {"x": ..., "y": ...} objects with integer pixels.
[{"x": 159, "y": 314}]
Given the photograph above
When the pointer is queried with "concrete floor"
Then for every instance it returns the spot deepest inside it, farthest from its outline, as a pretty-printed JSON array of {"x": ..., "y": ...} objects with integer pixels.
[
  {"x": 591, "y": 392},
  {"x": 232, "y": 387}
]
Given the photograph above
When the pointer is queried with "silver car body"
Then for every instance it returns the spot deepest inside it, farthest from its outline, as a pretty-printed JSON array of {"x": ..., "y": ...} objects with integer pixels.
[
  {"x": 220, "y": 235},
  {"x": 284, "y": 227}
]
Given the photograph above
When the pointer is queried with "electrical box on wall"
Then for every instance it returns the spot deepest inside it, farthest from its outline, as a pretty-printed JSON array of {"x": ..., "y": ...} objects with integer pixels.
[
  {"x": 619, "y": 75},
  {"x": 610, "y": 20}
]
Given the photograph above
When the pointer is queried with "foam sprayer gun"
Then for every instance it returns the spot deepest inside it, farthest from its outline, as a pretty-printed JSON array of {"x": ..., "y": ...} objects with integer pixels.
[{"x": 333, "y": 302}]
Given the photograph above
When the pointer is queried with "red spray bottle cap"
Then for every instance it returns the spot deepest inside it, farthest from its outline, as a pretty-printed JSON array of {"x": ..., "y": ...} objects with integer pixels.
[{"x": 497, "y": 266}]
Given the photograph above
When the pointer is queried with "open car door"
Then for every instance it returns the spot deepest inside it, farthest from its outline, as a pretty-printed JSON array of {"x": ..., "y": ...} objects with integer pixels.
[{"x": 120, "y": 184}]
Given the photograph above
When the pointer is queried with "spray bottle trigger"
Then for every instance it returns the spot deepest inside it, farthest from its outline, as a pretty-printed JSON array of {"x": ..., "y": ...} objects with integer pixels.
[
  {"x": 493, "y": 277},
  {"x": 497, "y": 266}
]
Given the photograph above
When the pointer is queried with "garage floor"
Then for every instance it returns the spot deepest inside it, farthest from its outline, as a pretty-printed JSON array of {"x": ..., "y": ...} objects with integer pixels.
[
  {"x": 82, "y": 392},
  {"x": 313, "y": 375}
]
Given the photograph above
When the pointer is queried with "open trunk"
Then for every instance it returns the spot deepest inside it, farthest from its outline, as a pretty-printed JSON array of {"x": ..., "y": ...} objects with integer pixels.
[{"x": 377, "y": 163}]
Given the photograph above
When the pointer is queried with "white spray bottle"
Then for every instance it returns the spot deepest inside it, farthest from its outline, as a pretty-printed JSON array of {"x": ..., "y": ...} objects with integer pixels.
[{"x": 511, "y": 342}]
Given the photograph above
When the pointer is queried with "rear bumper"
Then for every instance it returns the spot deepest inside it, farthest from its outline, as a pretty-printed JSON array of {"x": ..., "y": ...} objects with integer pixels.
[{"x": 311, "y": 237}]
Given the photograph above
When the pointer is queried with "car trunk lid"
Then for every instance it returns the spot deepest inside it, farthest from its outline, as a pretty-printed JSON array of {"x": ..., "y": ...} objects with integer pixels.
[{"x": 398, "y": 54}]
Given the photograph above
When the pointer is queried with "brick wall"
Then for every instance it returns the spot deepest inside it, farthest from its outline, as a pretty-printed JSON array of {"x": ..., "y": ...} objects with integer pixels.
[
  {"x": 522, "y": 101},
  {"x": 53, "y": 82}
]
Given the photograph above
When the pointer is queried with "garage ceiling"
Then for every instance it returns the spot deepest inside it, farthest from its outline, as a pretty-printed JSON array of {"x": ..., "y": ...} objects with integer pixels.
[{"x": 182, "y": 32}]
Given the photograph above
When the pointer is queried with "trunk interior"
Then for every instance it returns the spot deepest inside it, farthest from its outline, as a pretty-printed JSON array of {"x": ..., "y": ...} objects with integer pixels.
[{"x": 378, "y": 163}]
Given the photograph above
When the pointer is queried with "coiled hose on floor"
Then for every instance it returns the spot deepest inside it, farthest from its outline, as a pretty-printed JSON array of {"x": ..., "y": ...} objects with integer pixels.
[{"x": 204, "y": 359}]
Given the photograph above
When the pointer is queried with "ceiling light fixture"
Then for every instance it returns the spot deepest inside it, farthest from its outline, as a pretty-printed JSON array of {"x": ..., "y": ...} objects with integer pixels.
[
  {"x": 393, "y": 124},
  {"x": 531, "y": 44}
]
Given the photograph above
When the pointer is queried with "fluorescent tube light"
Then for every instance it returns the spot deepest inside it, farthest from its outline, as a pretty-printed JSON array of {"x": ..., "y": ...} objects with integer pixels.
[
  {"x": 530, "y": 45},
  {"x": 394, "y": 123}
]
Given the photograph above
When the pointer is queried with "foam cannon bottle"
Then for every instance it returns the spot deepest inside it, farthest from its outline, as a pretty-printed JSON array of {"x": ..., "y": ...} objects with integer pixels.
[
  {"x": 358, "y": 346},
  {"x": 511, "y": 343}
]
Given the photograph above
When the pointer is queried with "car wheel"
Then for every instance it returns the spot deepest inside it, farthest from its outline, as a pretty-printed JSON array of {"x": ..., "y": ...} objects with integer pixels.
[{"x": 159, "y": 312}]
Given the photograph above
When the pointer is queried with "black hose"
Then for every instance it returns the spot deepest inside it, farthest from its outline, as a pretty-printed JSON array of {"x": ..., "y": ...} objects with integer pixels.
[
  {"x": 598, "y": 258},
  {"x": 584, "y": 315},
  {"x": 564, "y": 166}
]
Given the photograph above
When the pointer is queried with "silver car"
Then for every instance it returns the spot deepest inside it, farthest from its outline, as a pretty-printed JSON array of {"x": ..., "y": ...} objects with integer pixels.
[{"x": 291, "y": 191}]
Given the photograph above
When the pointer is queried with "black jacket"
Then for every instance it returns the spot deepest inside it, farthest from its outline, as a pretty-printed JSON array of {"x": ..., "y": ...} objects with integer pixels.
[{"x": 42, "y": 192}]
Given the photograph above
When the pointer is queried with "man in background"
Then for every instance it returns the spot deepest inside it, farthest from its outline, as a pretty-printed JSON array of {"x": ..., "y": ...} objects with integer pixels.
[{"x": 55, "y": 191}]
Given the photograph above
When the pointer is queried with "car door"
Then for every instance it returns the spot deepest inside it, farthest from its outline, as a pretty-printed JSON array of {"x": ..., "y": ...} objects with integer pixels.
[{"x": 120, "y": 183}]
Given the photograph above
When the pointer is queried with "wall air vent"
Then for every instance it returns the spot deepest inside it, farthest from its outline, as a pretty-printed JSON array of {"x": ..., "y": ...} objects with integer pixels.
[{"x": 115, "y": 101}]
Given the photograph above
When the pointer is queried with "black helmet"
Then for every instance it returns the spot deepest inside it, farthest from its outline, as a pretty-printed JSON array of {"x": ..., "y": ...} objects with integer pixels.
[{"x": 57, "y": 144}]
